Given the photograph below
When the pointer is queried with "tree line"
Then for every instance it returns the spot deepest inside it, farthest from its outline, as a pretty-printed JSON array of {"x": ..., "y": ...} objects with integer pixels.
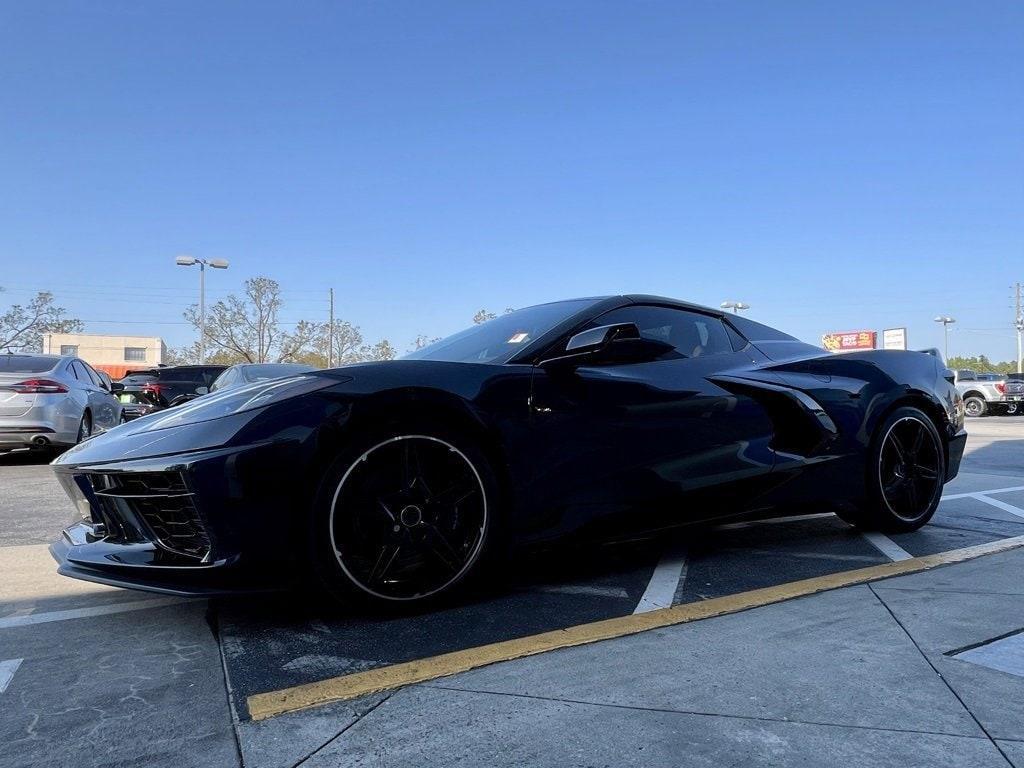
[
  {"x": 981, "y": 364},
  {"x": 242, "y": 328}
]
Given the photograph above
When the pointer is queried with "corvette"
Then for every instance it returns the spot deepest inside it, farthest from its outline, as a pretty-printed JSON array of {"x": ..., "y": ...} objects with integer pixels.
[{"x": 400, "y": 481}]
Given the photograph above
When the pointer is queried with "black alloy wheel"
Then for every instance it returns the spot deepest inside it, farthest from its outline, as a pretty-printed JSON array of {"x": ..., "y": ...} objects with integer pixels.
[
  {"x": 408, "y": 518},
  {"x": 910, "y": 467}
]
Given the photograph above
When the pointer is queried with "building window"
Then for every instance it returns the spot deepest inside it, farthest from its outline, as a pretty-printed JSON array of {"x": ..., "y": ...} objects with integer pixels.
[
  {"x": 135, "y": 354},
  {"x": 69, "y": 349}
]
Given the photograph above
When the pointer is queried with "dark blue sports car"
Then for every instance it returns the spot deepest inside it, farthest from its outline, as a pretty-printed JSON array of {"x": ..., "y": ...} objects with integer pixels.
[{"x": 398, "y": 481}]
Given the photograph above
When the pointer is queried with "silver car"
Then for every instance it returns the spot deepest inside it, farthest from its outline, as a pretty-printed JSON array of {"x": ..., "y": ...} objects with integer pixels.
[{"x": 52, "y": 400}]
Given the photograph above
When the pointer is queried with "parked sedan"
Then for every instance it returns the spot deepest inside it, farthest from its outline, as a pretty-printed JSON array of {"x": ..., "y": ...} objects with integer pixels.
[
  {"x": 52, "y": 400},
  {"x": 392, "y": 482},
  {"x": 249, "y": 373}
]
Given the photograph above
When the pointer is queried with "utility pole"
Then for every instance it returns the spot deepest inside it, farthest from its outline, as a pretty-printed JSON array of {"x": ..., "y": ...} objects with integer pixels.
[
  {"x": 1018, "y": 321},
  {"x": 330, "y": 333}
]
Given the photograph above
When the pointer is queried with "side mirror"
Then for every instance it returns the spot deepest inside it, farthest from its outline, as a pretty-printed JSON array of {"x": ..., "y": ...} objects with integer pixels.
[
  {"x": 202, "y": 390},
  {"x": 619, "y": 343}
]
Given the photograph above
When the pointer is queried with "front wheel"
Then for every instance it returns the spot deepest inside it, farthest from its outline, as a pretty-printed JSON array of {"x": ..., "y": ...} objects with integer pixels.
[
  {"x": 403, "y": 518},
  {"x": 906, "y": 469}
]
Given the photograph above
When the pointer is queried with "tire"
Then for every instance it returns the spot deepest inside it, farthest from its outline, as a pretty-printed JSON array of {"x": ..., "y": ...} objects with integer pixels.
[
  {"x": 975, "y": 406},
  {"x": 904, "y": 475},
  {"x": 84, "y": 428},
  {"x": 404, "y": 517}
]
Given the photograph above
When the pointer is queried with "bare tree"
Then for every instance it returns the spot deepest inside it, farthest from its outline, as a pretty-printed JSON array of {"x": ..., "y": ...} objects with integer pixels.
[
  {"x": 22, "y": 326},
  {"x": 246, "y": 326},
  {"x": 246, "y": 329}
]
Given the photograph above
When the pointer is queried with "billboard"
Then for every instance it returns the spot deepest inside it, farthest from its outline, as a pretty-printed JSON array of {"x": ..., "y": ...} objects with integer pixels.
[
  {"x": 848, "y": 341},
  {"x": 894, "y": 338}
]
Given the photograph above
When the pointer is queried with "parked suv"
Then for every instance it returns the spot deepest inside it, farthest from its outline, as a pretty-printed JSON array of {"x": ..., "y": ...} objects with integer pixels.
[
  {"x": 52, "y": 400},
  {"x": 983, "y": 396},
  {"x": 172, "y": 385}
]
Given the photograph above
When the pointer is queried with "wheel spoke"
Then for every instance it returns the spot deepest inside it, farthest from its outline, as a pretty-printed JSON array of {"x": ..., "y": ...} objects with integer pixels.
[
  {"x": 384, "y": 561},
  {"x": 927, "y": 473},
  {"x": 443, "y": 548},
  {"x": 897, "y": 445},
  {"x": 910, "y": 489},
  {"x": 894, "y": 486},
  {"x": 918, "y": 440}
]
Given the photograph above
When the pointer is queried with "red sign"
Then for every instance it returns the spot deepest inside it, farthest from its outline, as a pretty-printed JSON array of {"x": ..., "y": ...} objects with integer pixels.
[{"x": 848, "y": 341}]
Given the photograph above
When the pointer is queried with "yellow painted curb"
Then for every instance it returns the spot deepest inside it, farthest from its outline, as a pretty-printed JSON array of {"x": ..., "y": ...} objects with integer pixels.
[{"x": 265, "y": 705}]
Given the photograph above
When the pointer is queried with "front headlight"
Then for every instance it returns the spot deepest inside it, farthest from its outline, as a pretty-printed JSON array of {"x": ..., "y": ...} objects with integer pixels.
[{"x": 232, "y": 401}]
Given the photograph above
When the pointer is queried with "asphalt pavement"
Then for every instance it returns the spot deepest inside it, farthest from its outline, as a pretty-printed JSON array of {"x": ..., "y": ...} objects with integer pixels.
[{"x": 868, "y": 674}]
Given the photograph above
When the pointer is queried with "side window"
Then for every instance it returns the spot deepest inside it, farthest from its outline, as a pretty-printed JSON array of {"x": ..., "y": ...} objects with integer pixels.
[
  {"x": 79, "y": 370},
  {"x": 93, "y": 376},
  {"x": 691, "y": 334}
]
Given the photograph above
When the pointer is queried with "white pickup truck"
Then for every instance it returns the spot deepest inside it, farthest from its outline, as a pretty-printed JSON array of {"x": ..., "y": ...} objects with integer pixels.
[{"x": 989, "y": 393}]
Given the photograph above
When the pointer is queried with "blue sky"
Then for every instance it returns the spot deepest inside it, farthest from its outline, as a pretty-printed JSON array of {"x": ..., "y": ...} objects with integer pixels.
[{"x": 835, "y": 165}]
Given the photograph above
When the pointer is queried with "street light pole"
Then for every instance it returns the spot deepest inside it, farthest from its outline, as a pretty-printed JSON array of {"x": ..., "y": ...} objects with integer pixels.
[
  {"x": 946, "y": 321},
  {"x": 735, "y": 306},
  {"x": 202, "y": 312},
  {"x": 191, "y": 261},
  {"x": 1018, "y": 322}
]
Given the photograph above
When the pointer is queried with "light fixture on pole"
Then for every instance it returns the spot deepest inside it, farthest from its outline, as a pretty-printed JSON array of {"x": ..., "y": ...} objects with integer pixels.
[
  {"x": 946, "y": 321},
  {"x": 191, "y": 261},
  {"x": 735, "y": 306}
]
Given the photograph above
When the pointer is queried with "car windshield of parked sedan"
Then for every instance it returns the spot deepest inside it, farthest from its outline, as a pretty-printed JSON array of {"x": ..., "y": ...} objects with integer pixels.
[
  {"x": 27, "y": 363},
  {"x": 497, "y": 340}
]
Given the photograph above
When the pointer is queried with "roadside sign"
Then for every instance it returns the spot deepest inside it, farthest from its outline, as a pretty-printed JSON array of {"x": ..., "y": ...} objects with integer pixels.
[
  {"x": 848, "y": 341},
  {"x": 894, "y": 338}
]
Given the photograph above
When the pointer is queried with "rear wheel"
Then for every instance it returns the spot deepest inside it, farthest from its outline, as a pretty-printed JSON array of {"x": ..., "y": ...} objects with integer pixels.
[
  {"x": 975, "y": 406},
  {"x": 906, "y": 470},
  {"x": 403, "y": 517},
  {"x": 84, "y": 428}
]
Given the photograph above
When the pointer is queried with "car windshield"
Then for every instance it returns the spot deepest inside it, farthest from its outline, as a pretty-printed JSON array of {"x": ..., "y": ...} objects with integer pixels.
[
  {"x": 273, "y": 371},
  {"x": 497, "y": 340},
  {"x": 27, "y": 363}
]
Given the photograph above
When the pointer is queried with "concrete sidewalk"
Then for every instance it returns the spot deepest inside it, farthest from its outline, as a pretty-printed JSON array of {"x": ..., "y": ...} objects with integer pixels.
[{"x": 901, "y": 672}]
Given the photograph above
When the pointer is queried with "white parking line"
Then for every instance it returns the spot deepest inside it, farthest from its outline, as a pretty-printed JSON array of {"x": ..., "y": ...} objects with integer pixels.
[
  {"x": 11, "y": 622},
  {"x": 1000, "y": 505},
  {"x": 975, "y": 494},
  {"x": 886, "y": 546},
  {"x": 7, "y": 670},
  {"x": 668, "y": 575}
]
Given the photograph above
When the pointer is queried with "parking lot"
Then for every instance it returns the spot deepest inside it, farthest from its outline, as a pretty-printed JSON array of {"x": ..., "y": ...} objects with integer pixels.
[{"x": 140, "y": 679}]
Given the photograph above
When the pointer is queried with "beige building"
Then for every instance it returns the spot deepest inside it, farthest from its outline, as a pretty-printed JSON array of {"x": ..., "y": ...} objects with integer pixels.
[{"x": 107, "y": 351}]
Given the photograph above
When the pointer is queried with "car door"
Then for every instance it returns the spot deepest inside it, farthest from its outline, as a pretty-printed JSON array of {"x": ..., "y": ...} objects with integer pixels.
[
  {"x": 101, "y": 405},
  {"x": 108, "y": 407},
  {"x": 655, "y": 442}
]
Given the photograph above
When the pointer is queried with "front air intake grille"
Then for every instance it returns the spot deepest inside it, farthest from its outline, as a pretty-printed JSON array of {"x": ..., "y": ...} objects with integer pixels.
[{"x": 159, "y": 503}]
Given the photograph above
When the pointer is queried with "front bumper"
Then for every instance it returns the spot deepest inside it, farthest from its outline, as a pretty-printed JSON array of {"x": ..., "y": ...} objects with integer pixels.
[
  {"x": 81, "y": 555},
  {"x": 202, "y": 524}
]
